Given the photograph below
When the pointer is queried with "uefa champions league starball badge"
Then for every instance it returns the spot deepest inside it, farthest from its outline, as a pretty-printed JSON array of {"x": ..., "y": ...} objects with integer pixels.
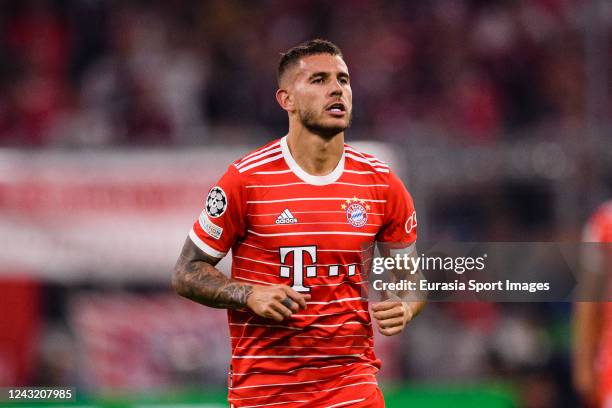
[
  {"x": 216, "y": 202},
  {"x": 356, "y": 211}
]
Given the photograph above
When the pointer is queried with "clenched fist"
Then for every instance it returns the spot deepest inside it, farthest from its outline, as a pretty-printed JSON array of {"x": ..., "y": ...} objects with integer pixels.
[
  {"x": 393, "y": 316},
  {"x": 277, "y": 302}
]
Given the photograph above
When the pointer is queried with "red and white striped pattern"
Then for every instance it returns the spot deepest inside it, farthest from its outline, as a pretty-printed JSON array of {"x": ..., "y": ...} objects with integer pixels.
[
  {"x": 324, "y": 355},
  {"x": 260, "y": 157},
  {"x": 376, "y": 164}
]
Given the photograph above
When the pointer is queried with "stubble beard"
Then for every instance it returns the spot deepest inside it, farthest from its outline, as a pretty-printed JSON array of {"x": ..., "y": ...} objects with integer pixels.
[{"x": 308, "y": 118}]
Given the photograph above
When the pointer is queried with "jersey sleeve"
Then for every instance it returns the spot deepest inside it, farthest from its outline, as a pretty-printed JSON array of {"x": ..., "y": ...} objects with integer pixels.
[
  {"x": 400, "y": 220},
  {"x": 221, "y": 221}
]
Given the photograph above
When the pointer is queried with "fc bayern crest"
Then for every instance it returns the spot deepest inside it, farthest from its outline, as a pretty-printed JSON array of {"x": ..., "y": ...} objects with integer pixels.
[
  {"x": 216, "y": 202},
  {"x": 356, "y": 212}
]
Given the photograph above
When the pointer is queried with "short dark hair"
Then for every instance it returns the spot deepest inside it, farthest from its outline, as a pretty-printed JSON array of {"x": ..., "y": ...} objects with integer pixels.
[{"x": 311, "y": 47}]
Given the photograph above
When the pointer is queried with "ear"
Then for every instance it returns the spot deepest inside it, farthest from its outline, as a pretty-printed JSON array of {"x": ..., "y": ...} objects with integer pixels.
[{"x": 285, "y": 100}]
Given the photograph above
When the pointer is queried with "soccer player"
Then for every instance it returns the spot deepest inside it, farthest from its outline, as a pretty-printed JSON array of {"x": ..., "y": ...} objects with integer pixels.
[
  {"x": 297, "y": 214},
  {"x": 593, "y": 323}
]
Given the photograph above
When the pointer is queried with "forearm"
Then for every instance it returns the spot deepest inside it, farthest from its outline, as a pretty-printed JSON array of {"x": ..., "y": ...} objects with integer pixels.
[
  {"x": 414, "y": 301},
  {"x": 415, "y": 298},
  {"x": 205, "y": 284},
  {"x": 408, "y": 273}
]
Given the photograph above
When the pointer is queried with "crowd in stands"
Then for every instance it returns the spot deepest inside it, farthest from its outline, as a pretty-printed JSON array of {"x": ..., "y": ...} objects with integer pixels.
[
  {"x": 99, "y": 73},
  {"x": 95, "y": 73}
]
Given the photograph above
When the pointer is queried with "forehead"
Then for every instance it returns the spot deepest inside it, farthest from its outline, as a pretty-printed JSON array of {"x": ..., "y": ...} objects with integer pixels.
[{"x": 311, "y": 64}]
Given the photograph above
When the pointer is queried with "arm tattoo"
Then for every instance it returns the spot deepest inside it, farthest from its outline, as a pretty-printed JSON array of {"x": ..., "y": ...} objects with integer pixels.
[{"x": 195, "y": 277}]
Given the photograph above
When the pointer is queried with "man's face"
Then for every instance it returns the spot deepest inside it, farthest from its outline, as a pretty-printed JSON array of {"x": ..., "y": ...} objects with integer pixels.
[{"x": 322, "y": 94}]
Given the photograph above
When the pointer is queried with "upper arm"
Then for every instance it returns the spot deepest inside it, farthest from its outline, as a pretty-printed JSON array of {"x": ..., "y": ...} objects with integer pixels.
[
  {"x": 191, "y": 260},
  {"x": 222, "y": 220},
  {"x": 191, "y": 253},
  {"x": 400, "y": 223}
]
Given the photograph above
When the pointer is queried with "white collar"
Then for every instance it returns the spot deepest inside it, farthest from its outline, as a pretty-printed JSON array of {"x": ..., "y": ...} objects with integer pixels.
[{"x": 309, "y": 178}]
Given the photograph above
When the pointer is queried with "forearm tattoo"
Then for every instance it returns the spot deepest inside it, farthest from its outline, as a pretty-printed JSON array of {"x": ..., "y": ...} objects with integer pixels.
[{"x": 196, "y": 278}]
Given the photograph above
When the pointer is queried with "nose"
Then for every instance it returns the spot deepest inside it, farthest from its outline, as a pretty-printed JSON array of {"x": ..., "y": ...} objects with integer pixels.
[{"x": 336, "y": 89}]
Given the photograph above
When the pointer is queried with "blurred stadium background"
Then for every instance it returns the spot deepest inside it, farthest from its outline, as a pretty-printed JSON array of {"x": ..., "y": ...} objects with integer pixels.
[{"x": 117, "y": 116}]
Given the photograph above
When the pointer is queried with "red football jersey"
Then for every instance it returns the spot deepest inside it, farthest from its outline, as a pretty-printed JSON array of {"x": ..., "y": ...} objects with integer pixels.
[
  {"x": 285, "y": 226},
  {"x": 599, "y": 229}
]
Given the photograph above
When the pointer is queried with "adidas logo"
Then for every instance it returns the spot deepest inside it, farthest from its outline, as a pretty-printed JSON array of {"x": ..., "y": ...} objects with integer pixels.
[{"x": 286, "y": 218}]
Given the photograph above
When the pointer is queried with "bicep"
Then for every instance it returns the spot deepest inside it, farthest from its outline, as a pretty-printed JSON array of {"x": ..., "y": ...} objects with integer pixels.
[
  {"x": 222, "y": 220},
  {"x": 400, "y": 223},
  {"x": 191, "y": 253}
]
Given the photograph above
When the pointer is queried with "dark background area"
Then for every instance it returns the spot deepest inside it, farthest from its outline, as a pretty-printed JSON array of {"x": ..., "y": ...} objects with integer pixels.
[{"x": 497, "y": 112}]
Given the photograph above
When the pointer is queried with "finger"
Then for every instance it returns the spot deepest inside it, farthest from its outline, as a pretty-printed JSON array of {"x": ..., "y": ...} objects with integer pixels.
[
  {"x": 286, "y": 313},
  {"x": 388, "y": 314},
  {"x": 273, "y": 314},
  {"x": 295, "y": 296},
  {"x": 390, "y": 332},
  {"x": 290, "y": 304},
  {"x": 388, "y": 323},
  {"x": 380, "y": 306}
]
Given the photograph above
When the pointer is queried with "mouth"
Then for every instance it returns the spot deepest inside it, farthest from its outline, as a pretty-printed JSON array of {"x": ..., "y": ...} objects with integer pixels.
[{"x": 336, "y": 109}]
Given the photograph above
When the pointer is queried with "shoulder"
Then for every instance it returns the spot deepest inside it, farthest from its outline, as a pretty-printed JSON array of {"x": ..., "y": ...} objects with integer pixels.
[
  {"x": 372, "y": 167},
  {"x": 361, "y": 161},
  {"x": 264, "y": 158}
]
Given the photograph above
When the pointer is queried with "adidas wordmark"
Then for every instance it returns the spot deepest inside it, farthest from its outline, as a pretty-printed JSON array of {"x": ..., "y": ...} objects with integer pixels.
[{"x": 286, "y": 218}]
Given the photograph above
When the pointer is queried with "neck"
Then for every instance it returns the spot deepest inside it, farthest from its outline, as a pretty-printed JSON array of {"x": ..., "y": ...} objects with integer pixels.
[{"x": 315, "y": 154}]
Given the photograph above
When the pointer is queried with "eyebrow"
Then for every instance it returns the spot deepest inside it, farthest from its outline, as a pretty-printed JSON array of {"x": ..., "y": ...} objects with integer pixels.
[{"x": 324, "y": 74}]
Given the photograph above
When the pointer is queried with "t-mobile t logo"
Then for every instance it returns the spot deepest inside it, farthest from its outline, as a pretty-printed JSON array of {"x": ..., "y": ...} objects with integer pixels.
[
  {"x": 298, "y": 265},
  {"x": 299, "y": 260}
]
